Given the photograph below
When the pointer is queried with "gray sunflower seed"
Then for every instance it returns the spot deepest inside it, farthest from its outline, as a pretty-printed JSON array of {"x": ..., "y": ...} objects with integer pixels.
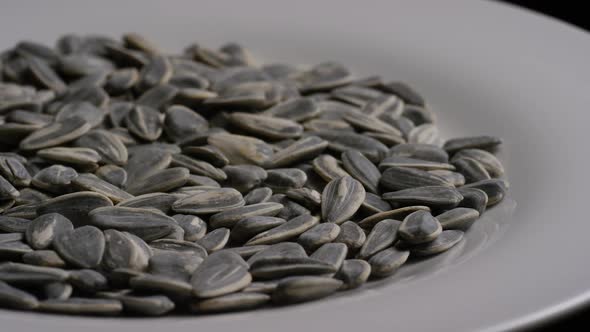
[
  {"x": 351, "y": 235},
  {"x": 486, "y": 159},
  {"x": 473, "y": 198},
  {"x": 76, "y": 305},
  {"x": 56, "y": 133},
  {"x": 229, "y": 217},
  {"x": 160, "y": 181},
  {"x": 265, "y": 126},
  {"x": 90, "y": 93},
  {"x": 41, "y": 232},
  {"x": 419, "y": 227},
  {"x": 57, "y": 291},
  {"x": 419, "y": 115},
  {"x": 279, "y": 267},
  {"x": 189, "y": 80},
  {"x": 494, "y": 188},
  {"x": 7, "y": 190},
  {"x": 112, "y": 174},
  {"x": 82, "y": 247},
  {"x": 29, "y": 117},
  {"x": 23, "y": 274},
  {"x": 445, "y": 241},
  {"x": 86, "y": 280},
  {"x": 176, "y": 234},
  {"x": 341, "y": 141},
  {"x": 47, "y": 258},
  {"x": 91, "y": 182},
  {"x": 399, "y": 161},
  {"x": 210, "y": 201},
  {"x": 122, "y": 251},
  {"x": 457, "y": 218},
  {"x": 15, "y": 172},
  {"x": 332, "y": 254},
  {"x": 370, "y": 123},
  {"x": 362, "y": 169},
  {"x": 324, "y": 76},
  {"x": 207, "y": 153},
  {"x": 244, "y": 177},
  {"x": 286, "y": 231},
  {"x": 248, "y": 227},
  {"x": 145, "y": 223},
  {"x": 26, "y": 211},
  {"x": 7, "y": 204},
  {"x": 191, "y": 97},
  {"x": 374, "y": 204},
  {"x": 404, "y": 91},
  {"x": 182, "y": 122},
  {"x": 420, "y": 151},
  {"x": 249, "y": 251},
  {"x": 384, "y": 105},
  {"x": 386, "y": 262},
  {"x": 108, "y": 145},
  {"x": 44, "y": 75},
  {"x": 242, "y": 149},
  {"x": 76, "y": 156},
  {"x": 279, "y": 250},
  {"x": 157, "y": 71},
  {"x": 318, "y": 235},
  {"x": 304, "y": 149},
  {"x": 400, "y": 178},
  {"x": 341, "y": 199},
  {"x": 160, "y": 285},
  {"x": 145, "y": 122},
  {"x": 456, "y": 178},
  {"x": 290, "y": 208},
  {"x": 180, "y": 246},
  {"x": 305, "y": 288},
  {"x": 12, "y": 297},
  {"x": 54, "y": 178},
  {"x": 353, "y": 273},
  {"x": 158, "y": 96},
  {"x": 194, "y": 227},
  {"x": 75, "y": 206},
  {"x": 13, "y": 224},
  {"x": 318, "y": 125},
  {"x": 82, "y": 109},
  {"x": 215, "y": 240},
  {"x": 283, "y": 179},
  {"x": 174, "y": 264},
  {"x": 206, "y": 282},
  {"x": 231, "y": 302},
  {"x": 383, "y": 235},
  {"x": 475, "y": 142},
  {"x": 157, "y": 159},
  {"x": 197, "y": 180},
  {"x": 471, "y": 169},
  {"x": 10, "y": 237},
  {"x": 138, "y": 42},
  {"x": 298, "y": 109},
  {"x": 433, "y": 196},
  {"x": 121, "y": 80},
  {"x": 198, "y": 167},
  {"x": 387, "y": 139},
  {"x": 307, "y": 197},
  {"x": 258, "y": 195}
]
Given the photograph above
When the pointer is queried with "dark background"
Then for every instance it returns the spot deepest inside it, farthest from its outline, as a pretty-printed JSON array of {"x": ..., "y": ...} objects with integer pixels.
[{"x": 572, "y": 12}]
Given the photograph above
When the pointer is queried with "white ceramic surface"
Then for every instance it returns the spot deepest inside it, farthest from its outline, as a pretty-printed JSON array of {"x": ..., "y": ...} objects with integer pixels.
[{"x": 484, "y": 67}]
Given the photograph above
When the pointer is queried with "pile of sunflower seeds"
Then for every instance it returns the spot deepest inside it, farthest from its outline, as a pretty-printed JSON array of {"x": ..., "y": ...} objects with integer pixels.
[{"x": 134, "y": 181}]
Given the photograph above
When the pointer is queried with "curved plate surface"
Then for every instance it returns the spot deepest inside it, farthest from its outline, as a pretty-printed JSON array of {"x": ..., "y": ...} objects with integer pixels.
[{"x": 485, "y": 68}]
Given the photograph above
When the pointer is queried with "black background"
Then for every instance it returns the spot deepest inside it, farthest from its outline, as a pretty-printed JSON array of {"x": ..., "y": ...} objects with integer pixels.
[{"x": 572, "y": 12}]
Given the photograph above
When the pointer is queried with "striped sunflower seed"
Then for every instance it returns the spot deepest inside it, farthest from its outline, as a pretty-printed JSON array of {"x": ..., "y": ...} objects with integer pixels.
[
  {"x": 82, "y": 247},
  {"x": 231, "y": 302},
  {"x": 206, "y": 282},
  {"x": 445, "y": 241},
  {"x": 362, "y": 169},
  {"x": 41, "y": 232},
  {"x": 55, "y": 134},
  {"x": 146, "y": 223},
  {"x": 457, "y": 218},
  {"x": 419, "y": 227},
  {"x": 75, "y": 206},
  {"x": 230, "y": 216},
  {"x": 388, "y": 261},
  {"x": 304, "y": 288},
  {"x": 399, "y": 178},
  {"x": 433, "y": 196},
  {"x": 341, "y": 199},
  {"x": 383, "y": 235},
  {"x": 258, "y": 195}
]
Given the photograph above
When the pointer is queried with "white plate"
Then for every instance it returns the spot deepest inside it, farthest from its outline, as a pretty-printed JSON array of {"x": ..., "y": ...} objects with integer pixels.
[{"x": 484, "y": 67}]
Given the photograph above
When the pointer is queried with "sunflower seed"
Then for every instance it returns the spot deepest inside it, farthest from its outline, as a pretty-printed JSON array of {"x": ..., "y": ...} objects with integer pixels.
[
  {"x": 26, "y": 211},
  {"x": 433, "y": 196},
  {"x": 365, "y": 122},
  {"x": 229, "y": 217},
  {"x": 386, "y": 262},
  {"x": 41, "y": 232},
  {"x": 29, "y": 275},
  {"x": 286, "y": 231},
  {"x": 122, "y": 251},
  {"x": 404, "y": 91},
  {"x": 457, "y": 218},
  {"x": 353, "y": 273},
  {"x": 15, "y": 172},
  {"x": 258, "y": 195},
  {"x": 420, "y": 151},
  {"x": 328, "y": 168},
  {"x": 456, "y": 178},
  {"x": 445, "y": 241},
  {"x": 91, "y": 182},
  {"x": 145, "y": 223},
  {"x": 332, "y": 254},
  {"x": 12, "y": 297},
  {"x": 57, "y": 291},
  {"x": 231, "y": 302},
  {"x": 54, "y": 178},
  {"x": 82, "y": 247},
  {"x": 13, "y": 224},
  {"x": 341, "y": 199},
  {"x": 399, "y": 178},
  {"x": 278, "y": 267},
  {"x": 210, "y": 201},
  {"x": 249, "y": 251},
  {"x": 76, "y": 156},
  {"x": 82, "y": 109},
  {"x": 242, "y": 149},
  {"x": 157, "y": 159},
  {"x": 149, "y": 283},
  {"x": 305, "y": 288},
  {"x": 473, "y": 198},
  {"x": 180, "y": 246},
  {"x": 160, "y": 181},
  {"x": 207, "y": 153},
  {"x": 398, "y": 161},
  {"x": 174, "y": 264},
  {"x": 244, "y": 177},
  {"x": 471, "y": 169},
  {"x": 10, "y": 237},
  {"x": 182, "y": 122},
  {"x": 121, "y": 80},
  {"x": 88, "y": 281},
  {"x": 283, "y": 179},
  {"x": 76, "y": 305},
  {"x": 155, "y": 72},
  {"x": 197, "y": 180},
  {"x": 419, "y": 227},
  {"x": 75, "y": 206},
  {"x": 7, "y": 190},
  {"x": 362, "y": 169},
  {"x": 206, "y": 279},
  {"x": 307, "y": 197},
  {"x": 476, "y": 142},
  {"x": 298, "y": 109},
  {"x": 248, "y": 227},
  {"x": 494, "y": 188},
  {"x": 215, "y": 240},
  {"x": 324, "y": 76},
  {"x": 318, "y": 235},
  {"x": 351, "y": 235},
  {"x": 108, "y": 145},
  {"x": 47, "y": 258},
  {"x": 44, "y": 76},
  {"x": 29, "y": 117},
  {"x": 56, "y": 133},
  {"x": 383, "y": 235},
  {"x": 491, "y": 164},
  {"x": 112, "y": 174},
  {"x": 194, "y": 227},
  {"x": 340, "y": 141},
  {"x": 198, "y": 167},
  {"x": 145, "y": 122}
]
